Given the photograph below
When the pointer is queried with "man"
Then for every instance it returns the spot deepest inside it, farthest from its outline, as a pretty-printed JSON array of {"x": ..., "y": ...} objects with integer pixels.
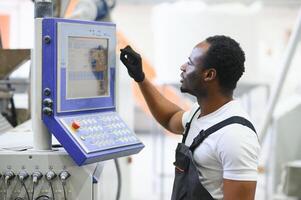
[{"x": 218, "y": 156}]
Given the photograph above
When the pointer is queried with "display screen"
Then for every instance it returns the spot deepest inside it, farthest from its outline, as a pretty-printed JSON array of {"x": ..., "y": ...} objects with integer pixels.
[{"x": 87, "y": 69}]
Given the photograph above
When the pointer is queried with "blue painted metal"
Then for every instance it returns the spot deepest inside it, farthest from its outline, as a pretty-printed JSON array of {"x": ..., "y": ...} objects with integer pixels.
[{"x": 103, "y": 135}]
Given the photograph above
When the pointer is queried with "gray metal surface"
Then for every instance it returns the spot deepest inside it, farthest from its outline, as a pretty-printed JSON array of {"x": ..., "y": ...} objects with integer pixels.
[
  {"x": 78, "y": 187},
  {"x": 18, "y": 85},
  {"x": 293, "y": 179},
  {"x": 16, "y": 154},
  {"x": 4, "y": 125},
  {"x": 43, "y": 8},
  {"x": 20, "y": 137}
]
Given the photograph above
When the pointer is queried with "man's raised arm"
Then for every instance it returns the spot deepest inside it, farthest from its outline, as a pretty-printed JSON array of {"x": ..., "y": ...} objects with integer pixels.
[{"x": 168, "y": 114}]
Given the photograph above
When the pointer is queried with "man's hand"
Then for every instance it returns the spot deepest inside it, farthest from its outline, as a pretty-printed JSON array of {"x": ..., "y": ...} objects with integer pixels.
[{"x": 133, "y": 63}]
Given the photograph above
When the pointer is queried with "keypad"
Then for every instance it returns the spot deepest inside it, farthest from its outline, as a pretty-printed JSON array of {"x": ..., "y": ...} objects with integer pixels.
[{"x": 100, "y": 131}]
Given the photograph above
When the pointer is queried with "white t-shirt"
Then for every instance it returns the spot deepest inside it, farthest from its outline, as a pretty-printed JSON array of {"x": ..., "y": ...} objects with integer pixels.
[{"x": 230, "y": 153}]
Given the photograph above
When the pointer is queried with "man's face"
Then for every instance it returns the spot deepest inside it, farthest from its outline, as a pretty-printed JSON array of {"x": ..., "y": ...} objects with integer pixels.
[{"x": 191, "y": 76}]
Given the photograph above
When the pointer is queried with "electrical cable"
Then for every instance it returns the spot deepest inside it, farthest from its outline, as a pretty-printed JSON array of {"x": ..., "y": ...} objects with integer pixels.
[
  {"x": 50, "y": 184},
  {"x": 33, "y": 186},
  {"x": 27, "y": 194},
  {"x": 41, "y": 196},
  {"x": 64, "y": 175},
  {"x": 6, "y": 188},
  {"x": 23, "y": 175},
  {"x": 50, "y": 175},
  {"x": 118, "y": 179},
  {"x": 2, "y": 186},
  {"x": 8, "y": 175},
  {"x": 64, "y": 190},
  {"x": 5, "y": 194},
  {"x": 36, "y": 176}
]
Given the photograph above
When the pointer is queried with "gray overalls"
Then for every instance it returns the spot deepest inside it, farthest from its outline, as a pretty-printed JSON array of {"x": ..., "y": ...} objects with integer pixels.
[{"x": 187, "y": 185}]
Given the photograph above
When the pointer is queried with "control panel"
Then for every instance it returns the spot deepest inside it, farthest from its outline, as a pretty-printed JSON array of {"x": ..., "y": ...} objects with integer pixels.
[
  {"x": 78, "y": 90},
  {"x": 100, "y": 131}
]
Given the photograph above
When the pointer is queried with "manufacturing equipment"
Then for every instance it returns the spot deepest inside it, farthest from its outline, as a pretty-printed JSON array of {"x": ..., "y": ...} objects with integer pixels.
[
  {"x": 73, "y": 98},
  {"x": 78, "y": 95}
]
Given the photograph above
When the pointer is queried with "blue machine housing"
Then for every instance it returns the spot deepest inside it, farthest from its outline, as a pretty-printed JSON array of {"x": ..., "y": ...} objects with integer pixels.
[{"x": 103, "y": 134}]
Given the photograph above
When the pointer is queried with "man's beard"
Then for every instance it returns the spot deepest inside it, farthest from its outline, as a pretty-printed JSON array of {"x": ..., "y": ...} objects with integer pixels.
[
  {"x": 197, "y": 94},
  {"x": 183, "y": 90},
  {"x": 186, "y": 91}
]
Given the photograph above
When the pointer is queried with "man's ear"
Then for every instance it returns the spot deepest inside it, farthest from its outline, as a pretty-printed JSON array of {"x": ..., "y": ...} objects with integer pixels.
[{"x": 209, "y": 74}]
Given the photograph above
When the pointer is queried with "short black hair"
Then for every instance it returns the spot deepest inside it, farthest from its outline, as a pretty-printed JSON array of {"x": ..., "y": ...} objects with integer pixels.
[{"x": 227, "y": 57}]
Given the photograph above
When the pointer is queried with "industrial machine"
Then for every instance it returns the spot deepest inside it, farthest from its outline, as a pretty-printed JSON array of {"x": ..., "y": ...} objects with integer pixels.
[
  {"x": 78, "y": 95},
  {"x": 73, "y": 98}
]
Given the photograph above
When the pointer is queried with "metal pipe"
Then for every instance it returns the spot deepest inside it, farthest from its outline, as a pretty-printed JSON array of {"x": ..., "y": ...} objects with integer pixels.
[
  {"x": 14, "y": 82},
  {"x": 285, "y": 65},
  {"x": 43, "y": 8},
  {"x": 42, "y": 139}
]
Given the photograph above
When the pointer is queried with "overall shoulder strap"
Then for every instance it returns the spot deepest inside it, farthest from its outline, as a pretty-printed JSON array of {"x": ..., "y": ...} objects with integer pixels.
[
  {"x": 187, "y": 126},
  {"x": 232, "y": 120}
]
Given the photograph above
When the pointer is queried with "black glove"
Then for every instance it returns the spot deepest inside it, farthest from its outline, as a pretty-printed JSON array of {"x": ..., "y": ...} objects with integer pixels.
[{"x": 133, "y": 63}]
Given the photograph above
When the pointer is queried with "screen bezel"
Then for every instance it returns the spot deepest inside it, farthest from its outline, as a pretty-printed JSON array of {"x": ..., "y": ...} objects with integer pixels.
[{"x": 66, "y": 30}]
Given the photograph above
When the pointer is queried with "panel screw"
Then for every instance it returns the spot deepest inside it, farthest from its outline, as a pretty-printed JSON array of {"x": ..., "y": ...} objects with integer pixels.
[
  {"x": 48, "y": 102},
  {"x": 47, "y": 92},
  {"x": 47, "y": 39},
  {"x": 47, "y": 111}
]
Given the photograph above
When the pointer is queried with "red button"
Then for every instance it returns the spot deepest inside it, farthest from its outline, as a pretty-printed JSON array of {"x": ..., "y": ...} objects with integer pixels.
[{"x": 75, "y": 125}]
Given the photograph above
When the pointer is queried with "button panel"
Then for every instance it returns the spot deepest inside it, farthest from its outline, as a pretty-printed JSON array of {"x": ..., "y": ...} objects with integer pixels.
[{"x": 100, "y": 131}]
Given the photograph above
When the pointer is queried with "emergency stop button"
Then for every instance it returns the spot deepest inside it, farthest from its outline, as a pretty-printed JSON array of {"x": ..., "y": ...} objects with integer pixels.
[{"x": 75, "y": 125}]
